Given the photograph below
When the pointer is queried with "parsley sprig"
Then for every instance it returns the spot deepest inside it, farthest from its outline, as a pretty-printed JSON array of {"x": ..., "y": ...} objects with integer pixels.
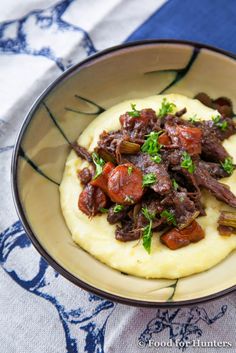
[
  {"x": 103, "y": 210},
  {"x": 147, "y": 230},
  {"x": 175, "y": 184},
  {"x": 157, "y": 158},
  {"x": 99, "y": 163},
  {"x": 170, "y": 217},
  {"x": 220, "y": 123},
  {"x": 118, "y": 208},
  {"x": 130, "y": 169},
  {"x": 134, "y": 112},
  {"x": 187, "y": 162},
  {"x": 151, "y": 145},
  {"x": 228, "y": 165},
  {"x": 193, "y": 119},
  {"x": 149, "y": 179},
  {"x": 166, "y": 108}
]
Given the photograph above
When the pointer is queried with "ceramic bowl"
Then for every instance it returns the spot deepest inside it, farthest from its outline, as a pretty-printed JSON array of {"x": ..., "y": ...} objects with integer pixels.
[{"x": 63, "y": 111}]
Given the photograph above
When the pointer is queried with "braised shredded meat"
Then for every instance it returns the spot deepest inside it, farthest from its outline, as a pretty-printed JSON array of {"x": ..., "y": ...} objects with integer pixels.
[
  {"x": 85, "y": 175},
  {"x": 82, "y": 152},
  {"x": 148, "y": 175},
  {"x": 143, "y": 161}
]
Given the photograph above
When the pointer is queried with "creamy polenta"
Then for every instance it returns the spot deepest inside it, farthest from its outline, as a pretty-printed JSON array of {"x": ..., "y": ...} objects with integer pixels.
[{"x": 96, "y": 235}]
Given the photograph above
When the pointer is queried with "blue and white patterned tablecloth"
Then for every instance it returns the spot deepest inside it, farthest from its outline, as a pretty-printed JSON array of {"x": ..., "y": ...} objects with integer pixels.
[{"x": 40, "y": 311}]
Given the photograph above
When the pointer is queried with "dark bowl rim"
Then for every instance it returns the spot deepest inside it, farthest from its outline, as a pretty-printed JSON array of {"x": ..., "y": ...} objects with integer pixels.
[{"x": 19, "y": 208}]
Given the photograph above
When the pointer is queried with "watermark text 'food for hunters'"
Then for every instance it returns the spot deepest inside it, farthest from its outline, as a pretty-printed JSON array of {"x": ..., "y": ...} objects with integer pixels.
[{"x": 184, "y": 344}]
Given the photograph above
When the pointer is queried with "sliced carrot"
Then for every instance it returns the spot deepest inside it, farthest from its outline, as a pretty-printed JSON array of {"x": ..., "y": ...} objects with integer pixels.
[
  {"x": 125, "y": 184},
  {"x": 102, "y": 180},
  {"x": 164, "y": 139},
  {"x": 175, "y": 238},
  {"x": 190, "y": 138},
  {"x": 194, "y": 232}
]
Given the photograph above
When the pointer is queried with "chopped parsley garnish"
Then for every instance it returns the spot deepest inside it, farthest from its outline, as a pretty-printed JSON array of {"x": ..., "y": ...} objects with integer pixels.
[
  {"x": 228, "y": 165},
  {"x": 151, "y": 145},
  {"x": 166, "y": 108},
  {"x": 103, "y": 210},
  {"x": 118, "y": 208},
  {"x": 129, "y": 199},
  {"x": 156, "y": 158},
  {"x": 130, "y": 169},
  {"x": 147, "y": 230},
  {"x": 149, "y": 179},
  {"x": 99, "y": 163},
  {"x": 147, "y": 237},
  {"x": 147, "y": 214},
  {"x": 193, "y": 119},
  {"x": 175, "y": 184},
  {"x": 220, "y": 123},
  {"x": 170, "y": 217},
  {"x": 134, "y": 112},
  {"x": 187, "y": 162}
]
